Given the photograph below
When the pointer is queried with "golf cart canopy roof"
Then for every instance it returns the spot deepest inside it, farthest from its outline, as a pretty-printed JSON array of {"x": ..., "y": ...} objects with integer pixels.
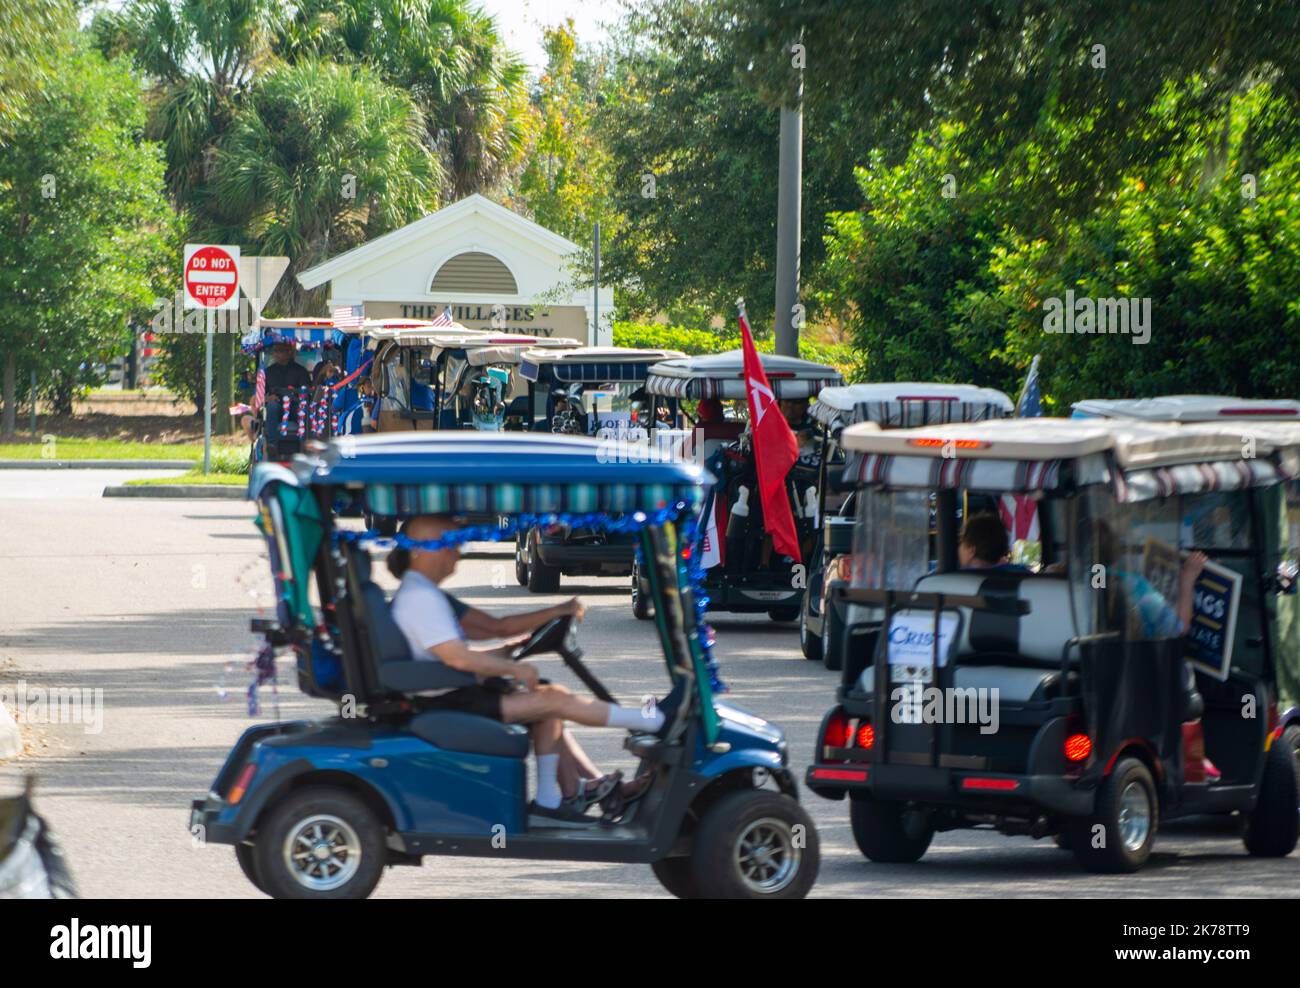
[
  {"x": 1190, "y": 408},
  {"x": 1141, "y": 460},
  {"x": 406, "y": 474},
  {"x": 298, "y": 330},
  {"x": 898, "y": 405},
  {"x": 722, "y": 375},
  {"x": 598, "y": 364},
  {"x": 409, "y": 334},
  {"x": 506, "y": 349}
]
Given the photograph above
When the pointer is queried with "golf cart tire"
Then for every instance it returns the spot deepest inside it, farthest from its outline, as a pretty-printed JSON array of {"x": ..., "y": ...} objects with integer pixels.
[
  {"x": 1272, "y": 827},
  {"x": 272, "y": 834},
  {"x": 677, "y": 876},
  {"x": 248, "y": 865},
  {"x": 883, "y": 835},
  {"x": 714, "y": 867},
  {"x": 521, "y": 561},
  {"x": 541, "y": 578},
  {"x": 809, "y": 644},
  {"x": 1114, "y": 857},
  {"x": 783, "y": 613},
  {"x": 640, "y": 596}
]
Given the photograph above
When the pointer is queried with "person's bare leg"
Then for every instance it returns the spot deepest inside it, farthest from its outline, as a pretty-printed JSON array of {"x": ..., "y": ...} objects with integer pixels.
[
  {"x": 575, "y": 765},
  {"x": 554, "y": 701}
]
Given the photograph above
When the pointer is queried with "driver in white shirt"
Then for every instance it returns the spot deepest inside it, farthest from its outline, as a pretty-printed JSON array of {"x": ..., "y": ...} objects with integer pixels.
[{"x": 428, "y": 620}]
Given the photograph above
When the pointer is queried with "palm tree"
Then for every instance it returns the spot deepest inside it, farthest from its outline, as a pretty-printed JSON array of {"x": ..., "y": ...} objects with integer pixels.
[
  {"x": 321, "y": 158},
  {"x": 450, "y": 57}
]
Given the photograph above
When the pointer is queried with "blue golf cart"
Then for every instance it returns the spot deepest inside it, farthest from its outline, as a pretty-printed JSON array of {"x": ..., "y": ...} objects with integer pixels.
[
  {"x": 319, "y": 808},
  {"x": 290, "y": 417}
]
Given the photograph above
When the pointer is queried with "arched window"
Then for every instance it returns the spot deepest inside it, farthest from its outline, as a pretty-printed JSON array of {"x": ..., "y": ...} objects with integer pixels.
[{"x": 474, "y": 273}]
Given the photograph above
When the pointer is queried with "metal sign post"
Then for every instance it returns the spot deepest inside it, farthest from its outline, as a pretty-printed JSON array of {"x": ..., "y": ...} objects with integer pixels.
[
  {"x": 207, "y": 395},
  {"x": 211, "y": 279}
]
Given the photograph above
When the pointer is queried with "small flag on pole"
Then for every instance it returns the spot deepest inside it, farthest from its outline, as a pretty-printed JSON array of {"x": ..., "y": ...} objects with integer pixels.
[
  {"x": 348, "y": 316},
  {"x": 443, "y": 318}
]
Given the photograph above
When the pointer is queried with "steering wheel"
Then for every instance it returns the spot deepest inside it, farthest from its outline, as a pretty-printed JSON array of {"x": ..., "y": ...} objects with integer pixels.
[{"x": 556, "y": 635}]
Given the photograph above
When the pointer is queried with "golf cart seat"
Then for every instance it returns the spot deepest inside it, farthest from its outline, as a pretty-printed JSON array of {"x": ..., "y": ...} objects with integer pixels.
[
  {"x": 396, "y": 671},
  {"x": 1019, "y": 654}
]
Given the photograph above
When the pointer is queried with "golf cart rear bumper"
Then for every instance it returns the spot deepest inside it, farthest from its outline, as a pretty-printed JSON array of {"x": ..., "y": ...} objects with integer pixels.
[
  {"x": 564, "y": 554},
  {"x": 757, "y": 598},
  {"x": 206, "y": 825},
  {"x": 976, "y": 791}
]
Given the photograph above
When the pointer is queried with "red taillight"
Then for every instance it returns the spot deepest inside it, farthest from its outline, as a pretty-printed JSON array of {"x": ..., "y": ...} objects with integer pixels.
[
  {"x": 837, "y": 731},
  {"x": 1257, "y": 411},
  {"x": 241, "y": 784},
  {"x": 951, "y": 443},
  {"x": 840, "y": 774},
  {"x": 1272, "y": 714},
  {"x": 996, "y": 785},
  {"x": 866, "y": 736},
  {"x": 1078, "y": 747}
]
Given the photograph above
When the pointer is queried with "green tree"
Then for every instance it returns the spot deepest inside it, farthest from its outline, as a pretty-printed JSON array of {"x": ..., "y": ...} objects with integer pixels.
[
  {"x": 84, "y": 225},
  {"x": 450, "y": 57},
  {"x": 29, "y": 31},
  {"x": 320, "y": 159},
  {"x": 695, "y": 167},
  {"x": 566, "y": 181}
]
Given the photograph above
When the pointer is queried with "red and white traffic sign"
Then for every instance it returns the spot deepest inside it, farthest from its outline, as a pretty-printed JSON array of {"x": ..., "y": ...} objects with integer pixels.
[{"x": 211, "y": 276}]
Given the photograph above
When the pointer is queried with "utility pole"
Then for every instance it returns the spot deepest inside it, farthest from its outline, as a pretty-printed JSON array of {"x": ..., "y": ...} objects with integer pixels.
[
  {"x": 789, "y": 209},
  {"x": 595, "y": 287}
]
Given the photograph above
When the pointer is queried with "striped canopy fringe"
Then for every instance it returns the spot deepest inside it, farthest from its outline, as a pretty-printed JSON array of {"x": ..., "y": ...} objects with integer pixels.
[
  {"x": 404, "y": 500},
  {"x": 600, "y": 372},
  {"x": 906, "y": 414},
  {"x": 1196, "y": 478}
]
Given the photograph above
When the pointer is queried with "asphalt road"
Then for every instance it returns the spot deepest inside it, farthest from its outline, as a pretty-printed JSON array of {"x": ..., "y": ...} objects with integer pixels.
[{"x": 149, "y": 602}]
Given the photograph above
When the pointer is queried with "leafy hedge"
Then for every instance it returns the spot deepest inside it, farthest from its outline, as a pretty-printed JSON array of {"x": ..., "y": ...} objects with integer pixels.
[{"x": 698, "y": 341}]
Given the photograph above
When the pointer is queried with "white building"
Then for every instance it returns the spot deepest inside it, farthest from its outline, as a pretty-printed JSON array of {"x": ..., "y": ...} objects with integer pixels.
[{"x": 495, "y": 269}]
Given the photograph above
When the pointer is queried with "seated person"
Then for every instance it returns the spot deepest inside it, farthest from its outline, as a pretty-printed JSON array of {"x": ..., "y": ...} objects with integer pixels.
[
  {"x": 428, "y": 620},
  {"x": 983, "y": 544}
]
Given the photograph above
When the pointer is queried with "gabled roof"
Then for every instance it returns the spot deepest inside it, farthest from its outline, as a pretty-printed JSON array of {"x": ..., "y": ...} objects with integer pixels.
[{"x": 522, "y": 227}]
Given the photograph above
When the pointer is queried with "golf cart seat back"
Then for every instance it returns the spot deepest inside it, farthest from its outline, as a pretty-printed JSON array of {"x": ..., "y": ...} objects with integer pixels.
[
  {"x": 1018, "y": 654},
  {"x": 393, "y": 671},
  {"x": 1035, "y": 638}
]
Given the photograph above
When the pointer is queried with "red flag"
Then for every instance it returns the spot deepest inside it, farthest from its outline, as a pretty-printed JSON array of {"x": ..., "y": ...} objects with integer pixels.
[{"x": 775, "y": 449}]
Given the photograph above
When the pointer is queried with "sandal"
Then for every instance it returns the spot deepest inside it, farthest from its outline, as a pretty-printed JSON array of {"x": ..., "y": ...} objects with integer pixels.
[
  {"x": 597, "y": 790},
  {"x": 626, "y": 794}
]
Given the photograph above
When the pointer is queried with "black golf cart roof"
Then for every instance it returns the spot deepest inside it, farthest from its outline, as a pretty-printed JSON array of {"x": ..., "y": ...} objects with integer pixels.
[{"x": 593, "y": 364}]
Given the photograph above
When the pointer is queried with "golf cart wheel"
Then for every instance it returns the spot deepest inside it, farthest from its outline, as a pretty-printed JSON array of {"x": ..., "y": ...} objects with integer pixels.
[
  {"x": 248, "y": 865},
  {"x": 521, "y": 559},
  {"x": 676, "y": 875},
  {"x": 755, "y": 845},
  {"x": 809, "y": 644},
  {"x": 541, "y": 578},
  {"x": 887, "y": 833},
  {"x": 1124, "y": 822},
  {"x": 783, "y": 613},
  {"x": 640, "y": 595},
  {"x": 320, "y": 843},
  {"x": 1271, "y": 829}
]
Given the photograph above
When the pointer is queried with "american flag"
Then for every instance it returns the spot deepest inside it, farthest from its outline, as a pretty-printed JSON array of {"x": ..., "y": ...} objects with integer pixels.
[
  {"x": 1020, "y": 511},
  {"x": 443, "y": 318},
  {"x": 259, "y": 390},
  {"x": 347, "y": 316}
]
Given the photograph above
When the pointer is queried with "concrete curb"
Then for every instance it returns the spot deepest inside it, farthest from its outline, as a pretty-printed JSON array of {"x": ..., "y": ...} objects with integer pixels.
[
  {"x": 191, "y": 491},
  {"x": 99, "y": 464}
]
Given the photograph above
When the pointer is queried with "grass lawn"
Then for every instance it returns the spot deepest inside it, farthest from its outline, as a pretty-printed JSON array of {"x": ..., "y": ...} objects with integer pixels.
[
  {"x": 100, "y": 449},
  {"x": 199, "y": 477}
]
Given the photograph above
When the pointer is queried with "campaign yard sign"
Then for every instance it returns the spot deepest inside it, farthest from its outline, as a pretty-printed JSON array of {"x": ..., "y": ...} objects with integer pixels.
[{"x": 1214, "y": 620}]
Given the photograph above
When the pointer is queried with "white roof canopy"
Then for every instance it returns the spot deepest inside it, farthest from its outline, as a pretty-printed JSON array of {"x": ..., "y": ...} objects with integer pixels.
[
  {"x": 1190, "y": 408},
  {"x": 603, "y": 354}
]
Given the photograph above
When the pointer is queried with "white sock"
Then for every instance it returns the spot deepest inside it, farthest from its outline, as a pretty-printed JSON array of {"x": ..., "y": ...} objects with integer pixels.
[
  {"x": 635, "y": 718},
  {"x": 548, "y": 781}
]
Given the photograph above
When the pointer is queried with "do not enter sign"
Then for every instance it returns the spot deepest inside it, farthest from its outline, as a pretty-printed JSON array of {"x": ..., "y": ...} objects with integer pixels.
[{"x": 211, "y": 276}]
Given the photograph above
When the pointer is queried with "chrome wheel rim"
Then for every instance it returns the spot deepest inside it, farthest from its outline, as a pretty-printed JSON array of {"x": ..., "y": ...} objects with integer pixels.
[
  {"x": 1134, "y": 816},
  {"x": 765, "y": 855},
  {"x": 322, "y": 852}
]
